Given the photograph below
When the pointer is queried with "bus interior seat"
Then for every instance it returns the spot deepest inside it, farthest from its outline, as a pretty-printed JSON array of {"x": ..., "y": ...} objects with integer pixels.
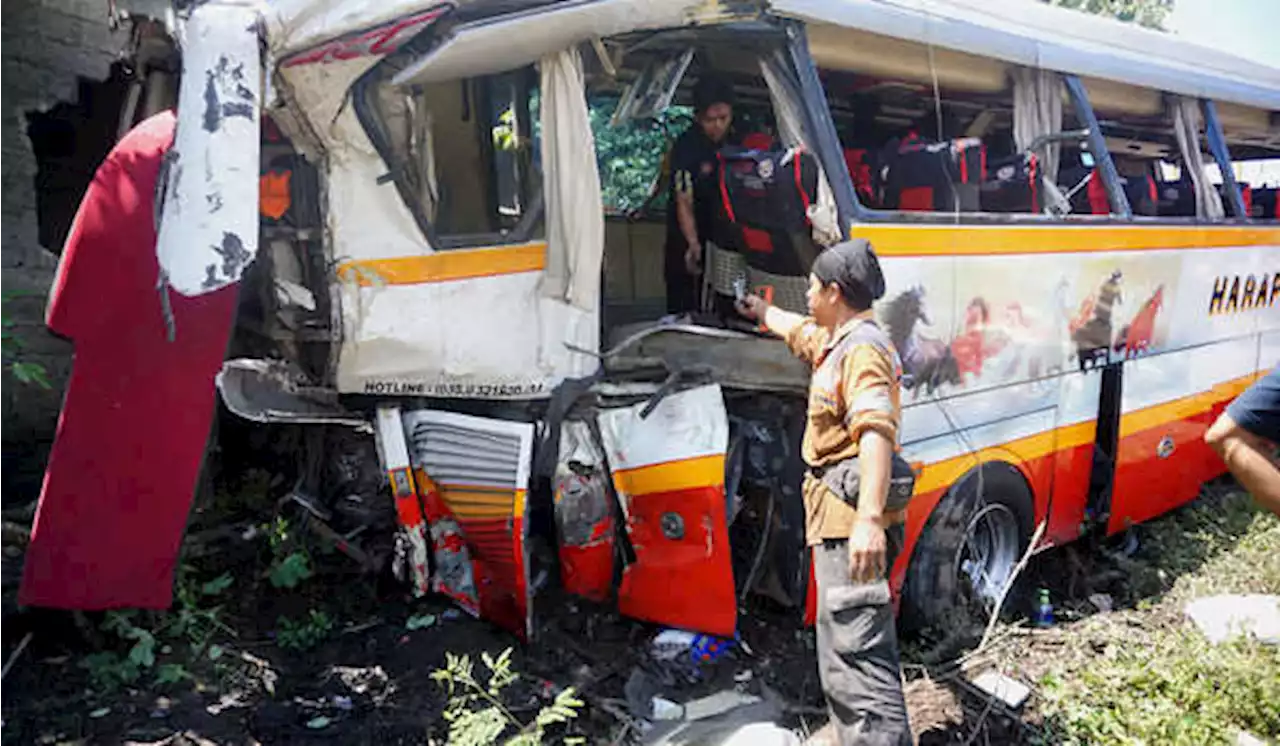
[
  {"x": 1266, "y": 203},
  {"x": 1013, "y": 185},
  {"x": 1246, "y": 193},
  {"x": 923, "y": 175},
  {"x": 1091, "y": 199}
]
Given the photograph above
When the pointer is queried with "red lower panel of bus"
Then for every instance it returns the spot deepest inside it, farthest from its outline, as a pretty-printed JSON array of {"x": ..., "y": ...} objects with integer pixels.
[
  {"x": 139, "y": 405},
  {"x": 683, "y": 574},
  {"x": 1163, "y": 459},
  {"x": 478, "y": 550}
]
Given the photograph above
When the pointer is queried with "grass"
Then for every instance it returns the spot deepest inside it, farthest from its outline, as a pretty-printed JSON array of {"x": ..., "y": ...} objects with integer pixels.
[{"x": 1145, "y": 675}]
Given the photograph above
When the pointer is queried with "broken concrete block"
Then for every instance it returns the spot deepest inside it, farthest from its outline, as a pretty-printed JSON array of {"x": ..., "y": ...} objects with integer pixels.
[{"x": 1223, "y": 617}]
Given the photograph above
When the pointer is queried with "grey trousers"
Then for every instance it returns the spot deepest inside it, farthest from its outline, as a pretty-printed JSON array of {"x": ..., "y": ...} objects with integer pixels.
[{"x": 858, "y": 650}]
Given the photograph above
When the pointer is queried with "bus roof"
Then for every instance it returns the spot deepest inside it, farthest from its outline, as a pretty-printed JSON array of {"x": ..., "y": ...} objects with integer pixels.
[
  {"x": 1034, "y": 34},
  {"x": 1021, "y": 32}
]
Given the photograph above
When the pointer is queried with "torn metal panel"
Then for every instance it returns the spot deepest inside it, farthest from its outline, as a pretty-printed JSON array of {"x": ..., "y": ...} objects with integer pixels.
[
  {"x": 209, "y": 221},
  {"x": 473, "y": 474},
  {"x": 584, "y": 522},
  {"x": 413, "y": 526},
  {"x": 669, "y": 470},
  {"x": 733, "y": 359},
  {"x": 275, "y": 391}
]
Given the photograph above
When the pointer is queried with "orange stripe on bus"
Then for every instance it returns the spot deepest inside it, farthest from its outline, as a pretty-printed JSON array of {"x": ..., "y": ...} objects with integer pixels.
[
  {"x": 443, "y": 266},
  {"x": 1183, "y": 408},
  {"x": 947, "y": 472},
  {"x": 941, "y": 474},
  {"x": 976, "y": 240},
  {"x": 704, "y": 471}
]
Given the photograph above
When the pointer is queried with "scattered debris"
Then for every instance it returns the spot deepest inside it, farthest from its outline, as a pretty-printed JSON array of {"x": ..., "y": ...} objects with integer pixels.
[
  {"x": 743, "y": 676},
  {"x": 356, "y": 629},
  {"x": 343, "y": 703},
  {"x": 370, "y": 680},
  {"x": 161, "y": 709},
  {"x": 717, "y": 704},
  {"x": 664, "y": 709},
  {"x": 1222, "y": 617},
  {"x": 316, "y": 723},
  {"x": 101, "y": 712},
  {"x": 420, "y": 621},
  {"x": 1008, "y": 584},
  {"x": 1009, "y": 691},
  {"x": 26, "y": 640},
  {"x": 226, "y": 702},
  {"x": 1101, "y": 601},
  {"x": 641, "y": 690},
  {"x": 732, "y": 720}
]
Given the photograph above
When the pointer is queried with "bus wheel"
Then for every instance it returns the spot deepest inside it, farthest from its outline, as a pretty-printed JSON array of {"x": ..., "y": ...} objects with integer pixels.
[{"x": 969, "y": 548}]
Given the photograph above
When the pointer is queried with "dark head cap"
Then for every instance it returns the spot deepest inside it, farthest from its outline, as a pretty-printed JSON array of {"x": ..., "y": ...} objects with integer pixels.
[{"x": 853, "y": 267}]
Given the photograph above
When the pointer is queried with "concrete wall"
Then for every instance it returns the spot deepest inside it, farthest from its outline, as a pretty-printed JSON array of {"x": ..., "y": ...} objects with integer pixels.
[{"x": 48, "y": 47}]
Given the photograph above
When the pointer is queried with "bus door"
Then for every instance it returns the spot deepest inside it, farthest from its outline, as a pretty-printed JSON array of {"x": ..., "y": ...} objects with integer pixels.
[{"x": 641, "y": 512}]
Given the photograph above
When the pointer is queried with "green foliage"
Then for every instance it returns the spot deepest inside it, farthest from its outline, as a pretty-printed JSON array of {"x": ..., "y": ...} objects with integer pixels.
[
  {"x": 630, "y": 156},
  {"x": 290, "y": 563},
  {"x": 1149, "y": 13},
  {"x": 23, "y": 371},
  {"x": 190, "y": 625},
  {"x": 476, "y": 713},
  {"x": 291, "y": 570},
  {"x": 1153, "y": 678},
  {"x": 303, "y": 634}
]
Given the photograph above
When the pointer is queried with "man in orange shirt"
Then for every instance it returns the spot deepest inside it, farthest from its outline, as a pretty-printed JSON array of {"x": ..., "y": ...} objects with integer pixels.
[{"x": 853, "y": 418}]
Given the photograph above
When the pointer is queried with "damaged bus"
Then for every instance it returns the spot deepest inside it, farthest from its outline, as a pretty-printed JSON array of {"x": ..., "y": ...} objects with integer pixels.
[{"x": 450, "y": 281}]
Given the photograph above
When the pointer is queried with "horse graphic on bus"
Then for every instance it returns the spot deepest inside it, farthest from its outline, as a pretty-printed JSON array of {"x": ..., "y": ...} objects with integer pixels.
[
  {"x": 1017, "y": 339},
  {"x": 1137, "y": 336}
]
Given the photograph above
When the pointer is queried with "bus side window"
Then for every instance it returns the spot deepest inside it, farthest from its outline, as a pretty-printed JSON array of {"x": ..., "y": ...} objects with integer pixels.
[
  {"x": 943, "y": 131},
  {"x": 1257, "y": 174},
  {"x": 470, "y": 156}
]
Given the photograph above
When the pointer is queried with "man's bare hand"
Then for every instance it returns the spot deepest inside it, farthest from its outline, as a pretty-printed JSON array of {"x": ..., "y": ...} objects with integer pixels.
[
  {"x": 866, "y": 551},
  {"x": 692, "y": 256},
  {"x": 752, "y": 307}
]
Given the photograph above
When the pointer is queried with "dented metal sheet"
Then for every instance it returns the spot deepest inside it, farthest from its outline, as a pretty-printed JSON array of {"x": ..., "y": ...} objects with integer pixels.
[
  {"x": 669, "y": 472},
  {"x": 413, "y": 525},
  {"x": 584, "y": 520},
  {"x": 209, "y": 222},
  {"x": 472, "y": 474}
]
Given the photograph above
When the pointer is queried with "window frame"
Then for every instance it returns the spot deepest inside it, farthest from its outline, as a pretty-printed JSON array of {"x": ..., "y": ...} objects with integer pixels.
[
  {"x": 818, "y": 109},
  {"x": 532, "y": 225}
]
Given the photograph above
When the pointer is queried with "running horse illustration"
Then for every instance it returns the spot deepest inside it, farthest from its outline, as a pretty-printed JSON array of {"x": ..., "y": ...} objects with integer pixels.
[
  {"x": 1091, "y": 328},
  {"x": 1135, "y": 337},
  {"x": 926, "y": 361}
]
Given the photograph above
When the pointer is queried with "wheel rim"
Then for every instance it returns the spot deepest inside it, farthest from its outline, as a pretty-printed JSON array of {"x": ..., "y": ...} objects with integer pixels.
[{"x": 988, "y": 553}]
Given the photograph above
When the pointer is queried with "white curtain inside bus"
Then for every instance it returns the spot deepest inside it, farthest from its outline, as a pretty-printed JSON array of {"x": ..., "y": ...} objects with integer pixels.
[
  {"x": 1037, "y": 112},
  {"x": 1186, "y": 127},
  {"x": 575, "y": 223},
  {"x": 786, "y": 109}
]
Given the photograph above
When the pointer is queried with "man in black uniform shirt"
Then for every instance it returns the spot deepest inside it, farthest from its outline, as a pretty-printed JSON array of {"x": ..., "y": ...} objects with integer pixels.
[{"x": 693, "y": 192}]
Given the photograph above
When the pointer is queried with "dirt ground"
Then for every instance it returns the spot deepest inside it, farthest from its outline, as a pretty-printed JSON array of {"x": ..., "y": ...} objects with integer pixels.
[{"x": 370, "y": 679}]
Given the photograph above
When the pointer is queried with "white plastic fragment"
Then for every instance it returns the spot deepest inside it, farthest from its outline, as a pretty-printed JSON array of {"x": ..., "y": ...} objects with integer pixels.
[
  {"x": 1221, "y": 618},
  {"x": 1013, "y": 693}
]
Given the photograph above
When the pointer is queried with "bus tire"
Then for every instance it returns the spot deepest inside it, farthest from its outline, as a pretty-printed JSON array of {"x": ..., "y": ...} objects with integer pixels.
[{"x": 940, "y": 577}]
